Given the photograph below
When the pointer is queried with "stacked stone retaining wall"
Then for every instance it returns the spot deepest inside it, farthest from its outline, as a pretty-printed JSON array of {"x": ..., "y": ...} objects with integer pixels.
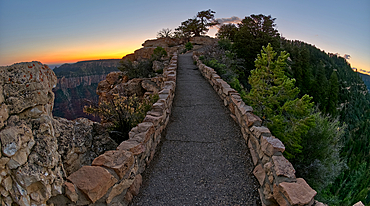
[
  {"x": 115, "y": 176},
  {"x": 275, "y": 174}
]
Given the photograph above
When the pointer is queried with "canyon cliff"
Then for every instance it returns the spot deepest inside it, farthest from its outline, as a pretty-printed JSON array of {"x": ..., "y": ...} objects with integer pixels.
[{"x": 77, "y": 84}]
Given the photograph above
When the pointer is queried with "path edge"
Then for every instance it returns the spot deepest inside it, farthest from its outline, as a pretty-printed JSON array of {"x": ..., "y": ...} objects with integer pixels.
[
  {"x": 278, "y": 184},
  {"x": 114, "y": 177}
]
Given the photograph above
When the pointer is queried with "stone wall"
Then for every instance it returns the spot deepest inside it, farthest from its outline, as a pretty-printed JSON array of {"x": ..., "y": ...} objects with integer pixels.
[
  {"x": 115, "y": 176},
  {"x": 37, "y": 152},
  {"x": 275, "y": 174}
]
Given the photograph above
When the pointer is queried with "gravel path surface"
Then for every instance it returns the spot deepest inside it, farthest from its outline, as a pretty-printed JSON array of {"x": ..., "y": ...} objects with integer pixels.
[{"x": 203, "y": 159}]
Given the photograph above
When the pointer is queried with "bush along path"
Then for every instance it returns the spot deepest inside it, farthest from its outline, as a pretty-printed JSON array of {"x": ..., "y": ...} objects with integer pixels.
[{"x": 203, "y": 158}]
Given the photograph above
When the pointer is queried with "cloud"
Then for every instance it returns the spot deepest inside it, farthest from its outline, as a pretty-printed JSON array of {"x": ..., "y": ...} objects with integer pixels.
[
  {"x": 231, "y": 20},
  {"x": 347, "y": 56}
]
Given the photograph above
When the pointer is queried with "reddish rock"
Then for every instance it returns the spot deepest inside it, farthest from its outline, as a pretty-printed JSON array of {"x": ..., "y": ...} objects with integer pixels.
[
  {"x": 3, "y": 112},
  {"x": 130, "y": 57},
  {"x": 253, "y": 152},
  {"x": 228, "y": 90},
  {"x": 258, "y": 131},
  {"x": 114, "y": 77},
  {"x": 150, "y": 86},
  {"x": 232, "y": 109},
  {"x": 146, "y": 127},
  {"x": 283, "y": 167},
  {"x": 118, "y": 189},
  {"x": 171, "y": 77},
  {"x": 93, "y": 181},
  {"x": 143, "y": 137},
  {"x": 152, "y": 119},
  {"x": 128, "y": 196},
  {"x": 134, "y": 188},
  {"x": 162, "y": 42},
  {"x": 70, "y": 191},
  {"x": 271, "y": 145},
  {"x": 359, "y": 204},
  {"x": 252, "y": 119},
  {"x": 103, "y": 88},
  {"x": 118, "y": 160},
  {"x": 133, "y": 146},
  {"x": 297, "y": 193},
  {"x": 203, "y": 40},
  {"x": 244, "y": 108},
  {"x": 317, "y": 203},
  {"x": 259, "y": 173}
]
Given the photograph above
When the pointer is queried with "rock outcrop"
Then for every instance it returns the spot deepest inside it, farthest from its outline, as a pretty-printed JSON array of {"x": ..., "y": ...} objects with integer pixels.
[
  {"x": 171, "y": 45},
  {"x": 36, "y": 149}
]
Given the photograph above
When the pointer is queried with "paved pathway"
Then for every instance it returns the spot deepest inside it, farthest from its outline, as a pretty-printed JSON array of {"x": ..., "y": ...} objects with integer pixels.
[{"x": 203, "y": 159}]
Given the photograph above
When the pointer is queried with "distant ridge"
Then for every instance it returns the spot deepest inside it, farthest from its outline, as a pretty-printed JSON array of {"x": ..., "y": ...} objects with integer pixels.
[
  {"x": 87, "y": 67},
  {"x": 76, "y": 83},
  {"x": 366, "y": 79}
]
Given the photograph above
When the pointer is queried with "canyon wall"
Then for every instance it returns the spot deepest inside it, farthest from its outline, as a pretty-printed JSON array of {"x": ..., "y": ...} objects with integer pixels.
[{"x": 76, "y": 86}]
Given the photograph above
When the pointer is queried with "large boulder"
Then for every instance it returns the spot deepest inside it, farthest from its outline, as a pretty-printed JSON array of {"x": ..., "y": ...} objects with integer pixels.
[
  {"x": 202, "y": 40},
  {"x": 294, "y": 193},
  {"x": 162, "y": 42},
  {"x": 26, "y": 85},
  {"x": 93, "y": 181}
]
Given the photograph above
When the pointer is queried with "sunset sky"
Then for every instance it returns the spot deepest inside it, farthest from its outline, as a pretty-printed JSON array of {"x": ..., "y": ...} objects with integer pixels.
[{"x": 55, "y": 32}]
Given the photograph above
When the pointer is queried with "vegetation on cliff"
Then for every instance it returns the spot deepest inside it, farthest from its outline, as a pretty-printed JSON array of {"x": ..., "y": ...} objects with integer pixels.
[
  {"x": 143, "y": 67},
  {"x": 125, "y": 112},
  {"x": 333, "y": 153},
  {"x": 274, "y": 98},
  {"x": 366, "y": 79}
]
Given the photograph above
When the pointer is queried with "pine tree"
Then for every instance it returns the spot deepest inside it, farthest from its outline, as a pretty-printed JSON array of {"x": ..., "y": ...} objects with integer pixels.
[
  {"x": 274, "y": 97},
  {"x": 321, "y": 88},
  {"x": 333, "y": 94}
]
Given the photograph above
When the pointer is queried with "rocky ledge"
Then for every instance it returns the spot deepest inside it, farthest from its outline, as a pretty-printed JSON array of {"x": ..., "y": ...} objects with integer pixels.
[{"x": 38, "y": 151}]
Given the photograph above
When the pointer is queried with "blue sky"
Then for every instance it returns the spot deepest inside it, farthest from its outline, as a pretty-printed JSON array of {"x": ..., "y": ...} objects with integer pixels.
[{"x": 69, "y": 31}]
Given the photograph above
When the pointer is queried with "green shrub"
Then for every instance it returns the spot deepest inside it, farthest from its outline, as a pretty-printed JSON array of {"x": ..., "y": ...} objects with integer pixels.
[
  {"x": 188, "y": 46},
  {"x": 225, "y": 44},
  {"x": 158, "y": 53},
  {"x": 139, "y": 69},
  {"x": 320, "y": 163},
  {"x": 124, "y": 112},
  {"x": 159, "y": 71}
]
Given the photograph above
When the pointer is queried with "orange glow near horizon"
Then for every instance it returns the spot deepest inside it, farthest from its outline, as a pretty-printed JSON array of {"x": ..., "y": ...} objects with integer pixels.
[
  {"x": 71, "y": 59},
  {"x": 60, "y": 57},
  {"x": 71, "y": 51}
]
